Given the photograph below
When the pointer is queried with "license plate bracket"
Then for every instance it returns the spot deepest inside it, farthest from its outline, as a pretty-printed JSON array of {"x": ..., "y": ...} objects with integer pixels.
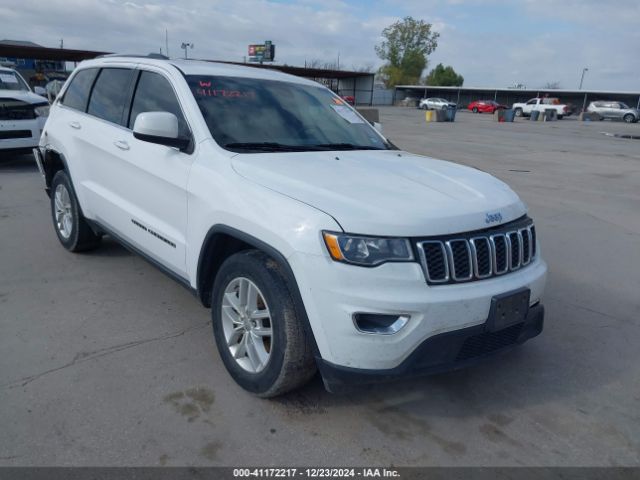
[{"x": 508, "y": 309}]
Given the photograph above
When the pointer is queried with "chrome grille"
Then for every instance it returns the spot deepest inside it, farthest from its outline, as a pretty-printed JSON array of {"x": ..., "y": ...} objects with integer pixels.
[{"x": 479, "y": 255}]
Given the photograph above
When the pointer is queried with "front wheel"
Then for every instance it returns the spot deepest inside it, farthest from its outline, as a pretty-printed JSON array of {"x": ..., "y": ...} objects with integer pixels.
[
  {"x": 260, "y": 337},
  {"x": 72, "y": 229},
  {"x": 474, "y": 109},
  {"x": 629, "y": 118}
]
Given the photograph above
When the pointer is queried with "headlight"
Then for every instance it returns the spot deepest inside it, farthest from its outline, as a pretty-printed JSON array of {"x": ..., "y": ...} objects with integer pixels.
[
  {"x": 42, "y": 111},
  {"x": 367, "y": 251}
]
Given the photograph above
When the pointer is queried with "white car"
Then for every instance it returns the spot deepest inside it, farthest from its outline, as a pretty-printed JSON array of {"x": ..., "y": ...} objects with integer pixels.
[
  {"x": 22, "y": 113},
  {"x": 435, "y": 104},
  {"x": 315, "y": 242},
  {"x": 540, "y": 105}
]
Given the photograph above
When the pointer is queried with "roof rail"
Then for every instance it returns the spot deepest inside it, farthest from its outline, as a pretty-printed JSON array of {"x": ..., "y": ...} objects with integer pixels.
[{"x": 157, "y": 56}]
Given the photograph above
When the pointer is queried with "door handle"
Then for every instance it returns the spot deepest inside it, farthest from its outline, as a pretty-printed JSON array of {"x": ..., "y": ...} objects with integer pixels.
[
  {"x": 122, "y": 145},
  {"x": 75, "y": 125}
]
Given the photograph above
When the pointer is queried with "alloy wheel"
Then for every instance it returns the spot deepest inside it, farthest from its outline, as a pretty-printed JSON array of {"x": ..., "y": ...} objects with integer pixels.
[
  {"x": 63, "y": 211},
  {"x": 246, "y": 322}
]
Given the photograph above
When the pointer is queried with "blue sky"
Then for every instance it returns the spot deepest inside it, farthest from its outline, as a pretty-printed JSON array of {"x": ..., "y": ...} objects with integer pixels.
[{"x": 491, "y": 42}]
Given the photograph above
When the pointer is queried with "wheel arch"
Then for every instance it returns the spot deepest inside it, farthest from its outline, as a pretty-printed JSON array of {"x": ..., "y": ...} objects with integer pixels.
[
  {"x": 222, "y": 241},
  {"x": 52, "y": 162}
]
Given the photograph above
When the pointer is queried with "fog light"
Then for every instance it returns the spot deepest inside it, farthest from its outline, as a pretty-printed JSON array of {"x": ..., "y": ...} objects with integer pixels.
[{"x": 380, "y": 324}]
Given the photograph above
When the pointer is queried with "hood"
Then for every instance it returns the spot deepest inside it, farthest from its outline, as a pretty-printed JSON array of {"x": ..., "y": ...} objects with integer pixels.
[
  {"x": 23, "y": 95},
  {"x": 385, "y": 192}
]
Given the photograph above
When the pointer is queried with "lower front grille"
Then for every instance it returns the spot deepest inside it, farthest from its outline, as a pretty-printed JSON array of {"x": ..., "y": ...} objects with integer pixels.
[
  {"x": 488, "y": 342},
  {"x": 9, "y": 134}
]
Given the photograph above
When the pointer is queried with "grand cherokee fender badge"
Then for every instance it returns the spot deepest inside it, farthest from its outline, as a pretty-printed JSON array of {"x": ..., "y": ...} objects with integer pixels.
[{"x": 493, "y": 217}]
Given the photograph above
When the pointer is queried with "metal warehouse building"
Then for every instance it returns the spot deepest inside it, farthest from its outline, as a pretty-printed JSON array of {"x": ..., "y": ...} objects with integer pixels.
[
  {"x": 38, "y": 58},
  {"x": 507, "y": 96}
]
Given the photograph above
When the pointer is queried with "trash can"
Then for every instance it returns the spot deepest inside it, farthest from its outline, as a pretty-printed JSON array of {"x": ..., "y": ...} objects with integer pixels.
[
  {"x": 509, "y": 115},
  {"x": 450, "y": 114},
  {"x": 534, "y": 115}
]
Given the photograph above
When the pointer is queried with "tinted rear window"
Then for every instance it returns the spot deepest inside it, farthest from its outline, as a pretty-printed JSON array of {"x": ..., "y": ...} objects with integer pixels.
[
  {"x": 110, "y": 94},
  {"x": 77, "y": 93}
]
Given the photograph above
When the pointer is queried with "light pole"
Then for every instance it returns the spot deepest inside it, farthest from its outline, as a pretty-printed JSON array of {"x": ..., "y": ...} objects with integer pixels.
[
  {"x": 186, "y": 46},
  {"x": 584, "y": 70}
]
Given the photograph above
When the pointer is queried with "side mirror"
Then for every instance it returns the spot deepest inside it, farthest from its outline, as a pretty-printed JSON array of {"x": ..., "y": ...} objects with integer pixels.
[
  {"x": 40, "y": 91},
  {"x": 160, "y": 128}
]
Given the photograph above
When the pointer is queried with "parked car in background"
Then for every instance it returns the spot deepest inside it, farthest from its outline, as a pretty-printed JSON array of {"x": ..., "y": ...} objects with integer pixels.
[
  {"x": 435, "y": 104},
  {"x": 350, "y": 99},
  {"x": 614, "y": 110},
  {"x": 540, "y": 105},
  {"x": 22, "y": 112},
  {"x": 488, "y": 106},
  {"x": 419, "y": 266}
]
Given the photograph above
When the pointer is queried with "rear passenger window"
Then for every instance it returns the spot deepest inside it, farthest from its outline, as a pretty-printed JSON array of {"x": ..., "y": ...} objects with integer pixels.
[
  {"x": 154, "y": 94},
  {"x": 77, "y": 93},
  {"x": 110, "y": 94}
]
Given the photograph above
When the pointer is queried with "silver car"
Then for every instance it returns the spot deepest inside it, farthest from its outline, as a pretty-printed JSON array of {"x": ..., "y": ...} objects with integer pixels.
[
  {"x": 614, "y": 109},
  {"x": 434, "y": 103}
]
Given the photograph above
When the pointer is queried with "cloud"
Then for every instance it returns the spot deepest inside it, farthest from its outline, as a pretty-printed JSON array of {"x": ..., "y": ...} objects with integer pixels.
[{"x": 492, "y": 43}]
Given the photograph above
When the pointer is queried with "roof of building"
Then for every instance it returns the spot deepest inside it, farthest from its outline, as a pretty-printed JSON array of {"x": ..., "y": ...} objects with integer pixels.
[{"x": 19, "y": 43}]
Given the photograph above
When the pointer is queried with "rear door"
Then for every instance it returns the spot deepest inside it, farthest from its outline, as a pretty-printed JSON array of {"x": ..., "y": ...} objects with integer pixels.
[
  {"x": 100, "y": 130},
  {"x": 616, "y": 110}
]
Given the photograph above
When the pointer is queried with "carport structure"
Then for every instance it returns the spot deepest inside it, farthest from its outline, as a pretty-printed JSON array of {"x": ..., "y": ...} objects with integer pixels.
[
  {"x": 356, "y": 84},
  {"x": 507, "y": 96}
]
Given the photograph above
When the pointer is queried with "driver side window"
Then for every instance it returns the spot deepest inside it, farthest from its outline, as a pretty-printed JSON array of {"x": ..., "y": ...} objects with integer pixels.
[{"x": 155, "y": 94}]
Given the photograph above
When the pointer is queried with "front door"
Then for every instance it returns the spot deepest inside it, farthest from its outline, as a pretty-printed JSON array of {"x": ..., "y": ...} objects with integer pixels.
[{"x": 152, "y": 179}]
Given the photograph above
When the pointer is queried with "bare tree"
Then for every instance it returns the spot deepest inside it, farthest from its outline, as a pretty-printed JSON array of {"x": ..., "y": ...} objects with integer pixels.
[{"x": 555, "y": 85}]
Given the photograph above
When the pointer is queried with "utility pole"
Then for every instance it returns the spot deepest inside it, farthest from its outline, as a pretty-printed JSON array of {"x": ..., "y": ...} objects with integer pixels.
[
  {"x": 584, "y": 70},
  {"x": 166, "y": 41},
  {"x": 62, "y": 43}
]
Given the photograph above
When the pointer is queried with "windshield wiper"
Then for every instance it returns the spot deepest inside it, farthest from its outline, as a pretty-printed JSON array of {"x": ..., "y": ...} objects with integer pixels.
[
  {"x": 268, "y": 147},
  {"x": 345, "y": 146}
]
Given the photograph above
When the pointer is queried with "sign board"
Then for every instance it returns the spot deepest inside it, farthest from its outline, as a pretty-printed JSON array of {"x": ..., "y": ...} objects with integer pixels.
[{"x": 265, "y": 52}]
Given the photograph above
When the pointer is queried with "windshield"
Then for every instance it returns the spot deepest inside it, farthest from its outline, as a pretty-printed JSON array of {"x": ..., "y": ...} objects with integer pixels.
[
  {"x": 624, "y": 106},
  {"x": 11, "y": 81},
  {"x": 254, "y": 115}
]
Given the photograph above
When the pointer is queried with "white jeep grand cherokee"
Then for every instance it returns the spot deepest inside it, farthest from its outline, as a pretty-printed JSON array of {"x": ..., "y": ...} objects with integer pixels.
[{"x": 317, "y": 244}]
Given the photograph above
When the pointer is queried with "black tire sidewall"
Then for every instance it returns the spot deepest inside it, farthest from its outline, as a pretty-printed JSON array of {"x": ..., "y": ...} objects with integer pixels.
[
  {"x": 276, "y": 296},
  {"x": 61, "y": 178}
]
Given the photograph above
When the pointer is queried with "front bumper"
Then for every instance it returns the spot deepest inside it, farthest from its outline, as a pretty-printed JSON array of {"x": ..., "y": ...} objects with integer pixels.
[
  {"x": 332, "y": 292},
  {"x": 20, "y": 134},
  {"x": 446, "y": 351}
]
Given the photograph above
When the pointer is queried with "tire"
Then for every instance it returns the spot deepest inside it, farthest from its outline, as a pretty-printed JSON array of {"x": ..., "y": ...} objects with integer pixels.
[
  {"x": 629, "y": 118},
  {"x": 518, "y": 112},
  {"x": 72, "y": 229},
  {"x": 474, "y": 109},
  {"x": 289, "y": 362},
  {"x": 560, "y": 117}
]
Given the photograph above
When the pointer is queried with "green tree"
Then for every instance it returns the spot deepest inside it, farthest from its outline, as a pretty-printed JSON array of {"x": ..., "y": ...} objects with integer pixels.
[
  {"x": 442, "y": 76},
  {"x": 405, "y": 47}
]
